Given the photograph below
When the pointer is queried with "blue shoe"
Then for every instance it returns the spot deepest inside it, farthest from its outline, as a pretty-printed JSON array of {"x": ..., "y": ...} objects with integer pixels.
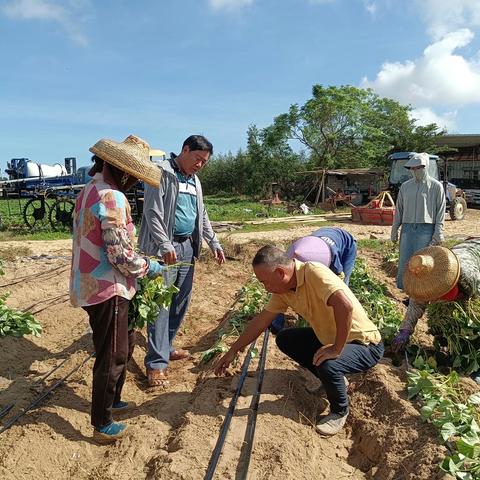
[
  {"x": 122, "y": 406},
  {"x": 110, "y": 433}
]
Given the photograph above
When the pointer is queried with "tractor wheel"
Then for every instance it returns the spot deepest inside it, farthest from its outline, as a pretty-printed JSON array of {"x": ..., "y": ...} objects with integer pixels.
[
  {"x": 35, "y": 213},
  {"x": 458, "y": 208},
  {"x": 61, "y": 214}
]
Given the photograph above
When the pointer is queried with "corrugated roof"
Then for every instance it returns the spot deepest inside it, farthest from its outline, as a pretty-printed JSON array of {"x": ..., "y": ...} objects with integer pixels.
[{"x": 459, "y": 140}]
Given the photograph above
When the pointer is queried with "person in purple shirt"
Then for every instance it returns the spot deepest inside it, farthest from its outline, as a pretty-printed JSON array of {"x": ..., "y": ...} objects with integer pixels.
[{"x": 330, "y": 246}]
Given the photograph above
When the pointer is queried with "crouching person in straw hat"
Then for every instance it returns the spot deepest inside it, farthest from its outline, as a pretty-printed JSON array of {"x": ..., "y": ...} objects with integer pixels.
[
  {"x": 105, "y": 268},
  {"x": 331, "y": 246},
  {"x": 341, "y": 339},
  {"x": 419, "y": 210},
  {"x": 436, "y": 274}
]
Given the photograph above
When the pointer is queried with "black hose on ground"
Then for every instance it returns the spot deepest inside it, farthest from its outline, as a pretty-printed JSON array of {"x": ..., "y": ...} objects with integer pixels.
[
  {"x": 252, "y": 422},
  {"x": 44, "y": 395},
  {"x": 212, "y": 465}
]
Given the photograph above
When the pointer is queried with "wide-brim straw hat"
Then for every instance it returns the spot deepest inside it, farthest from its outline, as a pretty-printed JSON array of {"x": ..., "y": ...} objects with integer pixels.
[
  {"x": 130, "y": 156},
  {"x": 431, "y": 273}
]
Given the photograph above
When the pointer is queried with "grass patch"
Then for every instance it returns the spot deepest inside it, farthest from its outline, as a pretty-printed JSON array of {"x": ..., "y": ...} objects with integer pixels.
[
  {"x": 267, "y": 227},
  {"x": 8, "y": 236}
]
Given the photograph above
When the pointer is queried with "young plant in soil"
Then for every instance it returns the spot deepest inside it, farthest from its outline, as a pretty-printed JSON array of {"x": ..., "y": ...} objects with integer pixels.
[
  {"x": 371, "y": 293},
  {"x": 454, "y": 414},
  {"x": 252, "y": 298},
  {"x": 14, "y": 322}
]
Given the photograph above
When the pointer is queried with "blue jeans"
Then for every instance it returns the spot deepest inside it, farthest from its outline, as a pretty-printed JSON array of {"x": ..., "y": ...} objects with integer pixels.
[
  {"x": 414, "y": 237},
  {"x": 300, "y": 344},
  {"x": 162, "y": 333}
]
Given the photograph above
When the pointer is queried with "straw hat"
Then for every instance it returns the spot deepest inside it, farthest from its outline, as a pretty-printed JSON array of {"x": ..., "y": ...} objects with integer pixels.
[
  {"x": 130, "y": 156},
  {"x": 431, "y": 273}
]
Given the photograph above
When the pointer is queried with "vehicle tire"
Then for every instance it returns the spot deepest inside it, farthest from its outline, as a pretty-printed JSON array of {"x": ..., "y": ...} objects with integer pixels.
[{"x": 458, "y": 208}]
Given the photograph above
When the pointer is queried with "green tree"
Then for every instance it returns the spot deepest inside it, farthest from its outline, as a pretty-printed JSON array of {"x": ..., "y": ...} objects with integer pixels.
[{"x": 352, "y": 127}]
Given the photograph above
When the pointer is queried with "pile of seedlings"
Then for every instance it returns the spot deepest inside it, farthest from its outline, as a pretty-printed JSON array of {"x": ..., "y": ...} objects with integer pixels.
[
  {"x": 372, "y": 294},
  {"x": 15, "y": 322},
  {"x": 251, "y": 298},
  {"x": 453, "y": 412},
  {"x": 456, "y": 329}
]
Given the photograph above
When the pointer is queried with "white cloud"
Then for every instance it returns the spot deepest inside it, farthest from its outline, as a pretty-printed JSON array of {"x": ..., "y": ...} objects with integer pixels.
[
  {"x": 370, "y": 7},
  {"x": 439, "y": 77},
  {"x": 444, "y": 16},
  {"x": 426, "y": 116},
  {"x": 70, "y": 14},
  {"x": 229, "y": 4}
]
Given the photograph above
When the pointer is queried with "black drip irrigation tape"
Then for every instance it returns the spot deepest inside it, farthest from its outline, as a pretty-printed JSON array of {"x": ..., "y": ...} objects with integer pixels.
[
  {"x": 252, "y": 422},
  {"x": 44, "y": 395},
  {"x": 212, "y": 465},
  {"x": 53, "y": 370},
  {"x": 6, "y": 409}
]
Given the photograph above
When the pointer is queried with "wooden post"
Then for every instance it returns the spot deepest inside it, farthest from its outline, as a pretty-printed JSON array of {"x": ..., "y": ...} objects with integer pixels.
[{"x": 320, "y": 186}]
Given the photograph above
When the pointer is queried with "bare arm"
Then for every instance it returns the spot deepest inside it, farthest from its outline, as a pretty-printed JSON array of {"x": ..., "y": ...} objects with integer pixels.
[
  {"x": 252, "y": 331},
  {"x": 342, "y": 310}
]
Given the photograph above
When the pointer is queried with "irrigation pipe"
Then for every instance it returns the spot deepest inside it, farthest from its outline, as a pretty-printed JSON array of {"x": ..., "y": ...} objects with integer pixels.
[
  {"x": 52, "y": 370},
  {"x": 250, "y": 432},
  {"x": 6, "y": 409},
  {"x": 44, "y": 394},
  {"x": 212, "y": 465}
]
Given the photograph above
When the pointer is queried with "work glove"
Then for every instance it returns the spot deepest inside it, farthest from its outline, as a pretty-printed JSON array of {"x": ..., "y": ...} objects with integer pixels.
[
  {"x": 435, "y": 242},
  {"x": 400, "y": 341},
  {"x": 155, "y": 269},
  {"x": 394, "y": 236}
]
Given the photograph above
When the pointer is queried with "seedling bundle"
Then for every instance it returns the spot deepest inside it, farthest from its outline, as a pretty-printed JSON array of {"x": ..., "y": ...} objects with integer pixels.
[{"x": 456, "y": 327}]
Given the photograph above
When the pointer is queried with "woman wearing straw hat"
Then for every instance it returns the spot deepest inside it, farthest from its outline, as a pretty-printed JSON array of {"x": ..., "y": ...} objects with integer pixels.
[
  {"x": 438, "y": 274},
  {"x": 419, "y": 210},
  {"x": 105, "y": 267}
]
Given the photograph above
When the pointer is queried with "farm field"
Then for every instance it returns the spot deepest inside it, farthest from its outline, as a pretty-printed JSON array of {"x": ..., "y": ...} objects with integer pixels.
[{"x": 174, "y": 430}]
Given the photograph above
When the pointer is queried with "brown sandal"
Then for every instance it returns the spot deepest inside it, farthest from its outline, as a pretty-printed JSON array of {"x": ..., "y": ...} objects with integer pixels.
[
  {"x": 157, "y": 378},
  {"x": 180, "y": 354}
]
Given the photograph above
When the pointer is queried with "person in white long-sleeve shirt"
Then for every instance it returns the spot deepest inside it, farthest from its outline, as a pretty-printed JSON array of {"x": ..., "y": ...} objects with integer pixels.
[{"x": 419, "y": 211}]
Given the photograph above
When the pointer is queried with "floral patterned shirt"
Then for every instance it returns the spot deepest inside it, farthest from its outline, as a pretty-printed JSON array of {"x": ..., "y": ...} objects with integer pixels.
[{"x": 104, "y": 262}]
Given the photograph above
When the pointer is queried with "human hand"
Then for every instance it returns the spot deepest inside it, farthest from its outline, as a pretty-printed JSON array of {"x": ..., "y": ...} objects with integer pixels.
[
  {"x": 155, "y": 269},
  {"x": 327, "y": 352},
  {"x": 170, "y": 257},
  {"x": 394, "y": 236},
  {"x": 219, "y": 256},
  {"x": 435, "y": 242},
  {"x": 400, "y": 341},
  {"x": 222, "y": 364}
]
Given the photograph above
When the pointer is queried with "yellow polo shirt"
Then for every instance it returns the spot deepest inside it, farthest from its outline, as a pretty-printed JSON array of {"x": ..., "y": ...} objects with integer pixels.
[{"x": 315, "y": 284}]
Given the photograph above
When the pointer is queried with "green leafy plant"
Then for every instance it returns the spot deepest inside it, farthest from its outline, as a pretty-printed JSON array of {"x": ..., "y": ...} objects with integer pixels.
[
  {"x": 151, "y": 296},
  {"x": 454, "y": 414},
  {"x": 381, "y": 309},
  {"x": 456, "y": 326},
  {"x": 252, "y": 298},
  {"x": 14, "y": 322}
]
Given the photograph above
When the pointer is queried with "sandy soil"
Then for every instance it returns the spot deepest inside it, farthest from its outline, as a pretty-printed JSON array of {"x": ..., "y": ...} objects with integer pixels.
[{"x": 173, "y": 431}]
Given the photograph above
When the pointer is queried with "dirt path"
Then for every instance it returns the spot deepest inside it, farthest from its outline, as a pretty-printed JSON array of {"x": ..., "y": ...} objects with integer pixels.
[{"x": 173, "y": 431}]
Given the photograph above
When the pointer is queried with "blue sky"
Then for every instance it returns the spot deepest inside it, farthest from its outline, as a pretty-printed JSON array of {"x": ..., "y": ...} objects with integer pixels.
[{"x": 74, "y": 71}]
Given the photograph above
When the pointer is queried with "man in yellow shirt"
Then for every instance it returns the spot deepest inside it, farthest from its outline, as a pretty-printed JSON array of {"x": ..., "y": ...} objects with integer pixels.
[{"x": 341, "y": 339}]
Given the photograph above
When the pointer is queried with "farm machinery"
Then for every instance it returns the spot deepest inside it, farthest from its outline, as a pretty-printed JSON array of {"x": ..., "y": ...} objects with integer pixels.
[
  {"x": 42, "y": 196},
  {"x": 381, "y": 210}
]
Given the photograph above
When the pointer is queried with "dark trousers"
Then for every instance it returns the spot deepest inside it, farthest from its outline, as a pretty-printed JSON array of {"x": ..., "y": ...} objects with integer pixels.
[
  {"x": 300, "y": 344},
  {"x": 113, "y": 349}
]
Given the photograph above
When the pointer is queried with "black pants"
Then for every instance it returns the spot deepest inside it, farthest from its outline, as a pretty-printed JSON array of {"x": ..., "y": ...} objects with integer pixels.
[
  {"x": 300, "y": 344},
  {"x": 113, "y": 348}
]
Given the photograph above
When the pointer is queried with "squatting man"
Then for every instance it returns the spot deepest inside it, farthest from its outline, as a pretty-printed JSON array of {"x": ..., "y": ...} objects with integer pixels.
[{"x": 341, "y": 338}]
